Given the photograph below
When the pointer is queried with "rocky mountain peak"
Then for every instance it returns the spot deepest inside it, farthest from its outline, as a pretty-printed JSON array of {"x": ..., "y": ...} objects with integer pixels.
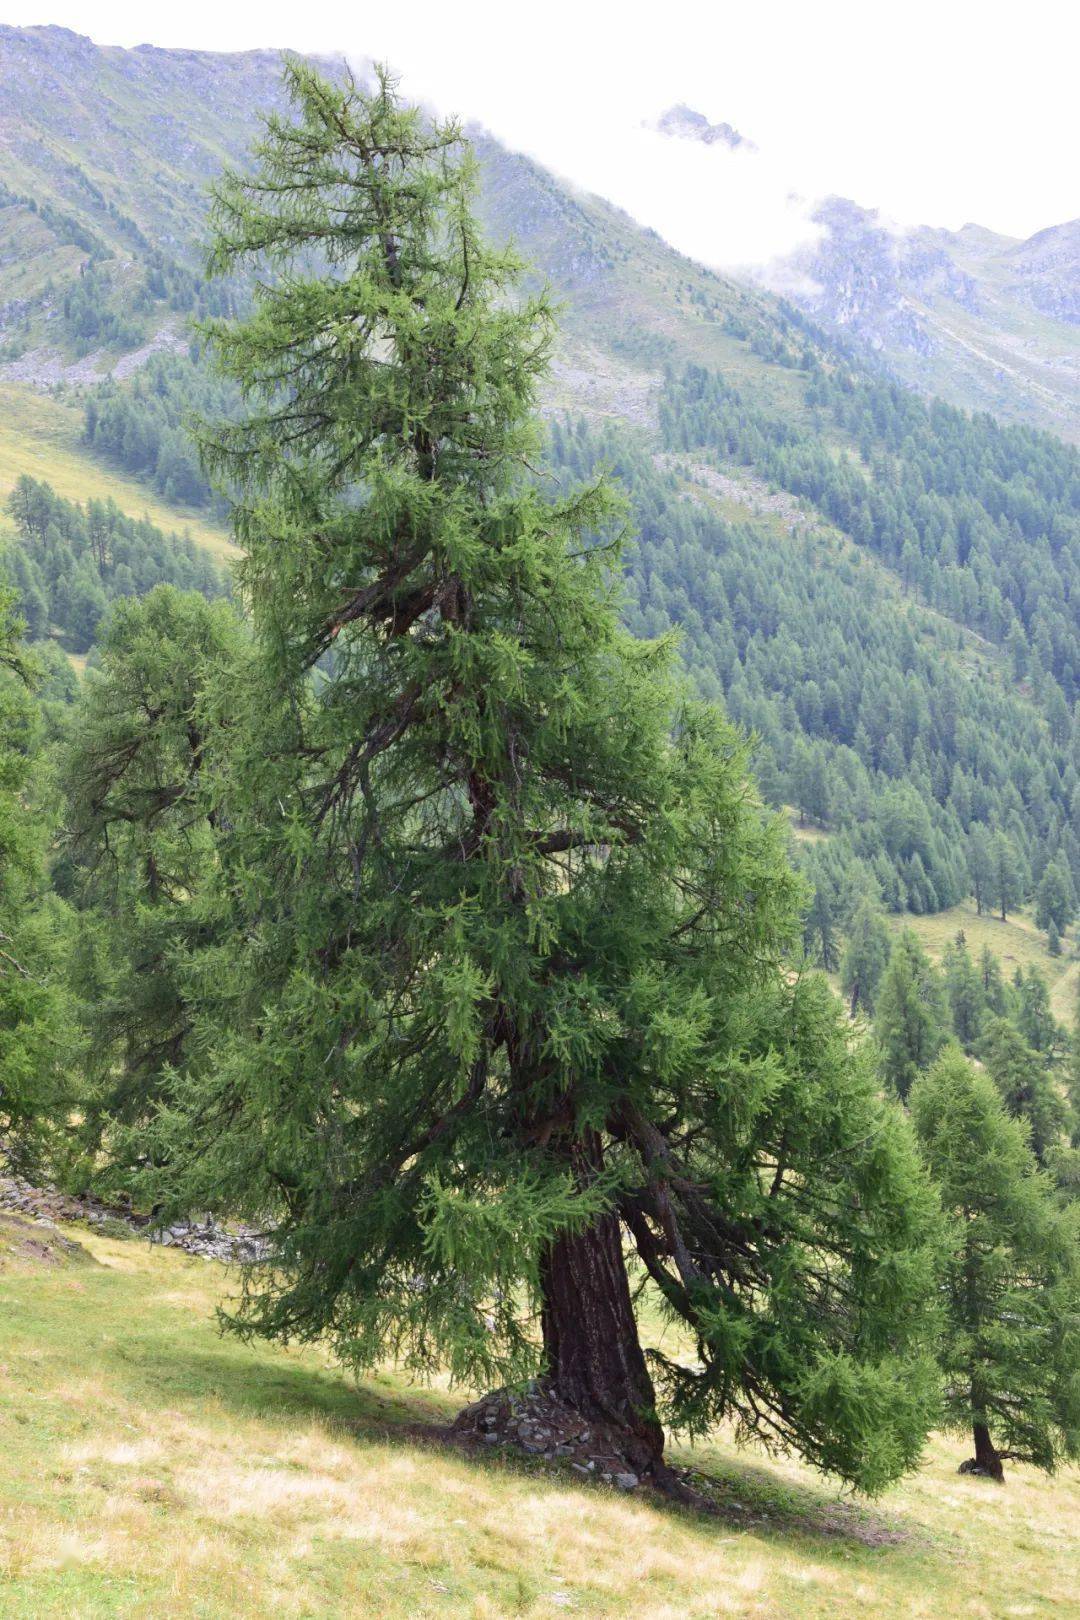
[{"x": 685, "y": 124}]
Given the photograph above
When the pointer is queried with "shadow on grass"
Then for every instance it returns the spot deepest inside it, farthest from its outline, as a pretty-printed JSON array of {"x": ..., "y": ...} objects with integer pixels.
[
  {"x": 272, "y": 1387},
  {"x": 752, "y": 1495}
]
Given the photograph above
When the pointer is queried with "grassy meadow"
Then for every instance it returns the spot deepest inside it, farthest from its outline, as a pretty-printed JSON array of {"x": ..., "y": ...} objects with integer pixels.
[
  {"x": 41, "y": 435},
  {"x": 1016, "y": 943},
  {"x": 154, "y": 1468}
]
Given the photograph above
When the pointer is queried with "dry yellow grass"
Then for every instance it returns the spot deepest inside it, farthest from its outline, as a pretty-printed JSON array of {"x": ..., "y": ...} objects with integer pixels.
[
  {"x": 1016, "y": 943},
  {"x": 40, "y": 436},
  {"x": 805, "y": 832},
  {"x": 151, "y": 1468}
]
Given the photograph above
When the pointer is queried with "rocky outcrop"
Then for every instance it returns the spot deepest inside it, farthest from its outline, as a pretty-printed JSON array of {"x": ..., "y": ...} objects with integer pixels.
[
  {"x": 49, "y": 1207},
  {"x": 685, "y": 124},
  {"x": 1045, "y": 270},
  {"x": 979, "y": 318}
]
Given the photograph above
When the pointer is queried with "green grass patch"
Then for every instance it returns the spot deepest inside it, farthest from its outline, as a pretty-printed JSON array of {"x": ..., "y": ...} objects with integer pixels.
[
  {"x": 153, "y": 1467},
  {"x": 1016, "y": 943},
  {"x": 41, "y": 435}
]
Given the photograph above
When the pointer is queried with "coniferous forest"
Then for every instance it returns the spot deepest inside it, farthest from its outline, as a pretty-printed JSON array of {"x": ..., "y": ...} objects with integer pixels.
[{"x": 498, "y": 893}]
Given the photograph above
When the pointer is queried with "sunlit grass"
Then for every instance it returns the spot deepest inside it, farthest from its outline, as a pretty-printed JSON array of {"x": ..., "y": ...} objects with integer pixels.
[
  {"x": 154, "y": 1468},
  {"x": 41, "y": 436},
  {"x": 1016, "y": 943}
]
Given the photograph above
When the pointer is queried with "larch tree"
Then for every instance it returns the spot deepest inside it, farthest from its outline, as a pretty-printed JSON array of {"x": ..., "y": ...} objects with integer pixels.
[
  {"x": 500, "y": 988},
  {"x": 1026, "y": 1084},
  {"x": 1011, "y": 1346},
  {"x": 1007, "y": 875},
  {"x": 866, "y": 956},
  {"x": 1055, "y": 897},
  {"x": 980, "y": 862},
  {"x": 1033, "y": 1014},
  {"x": 910, "y": 1021},
  {"x": 140, "y": 831},
  {"x": 964, "y": 993},
  {"x": 36, "y": 1039}
]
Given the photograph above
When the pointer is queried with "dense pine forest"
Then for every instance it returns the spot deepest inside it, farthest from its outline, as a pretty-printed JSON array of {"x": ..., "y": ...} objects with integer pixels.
[
  {"x": 944, "y": 762},
  {"x": 69, "y": 562},
  {"x": 145, "y": 427},
  {"x": 923, "y": 711}
]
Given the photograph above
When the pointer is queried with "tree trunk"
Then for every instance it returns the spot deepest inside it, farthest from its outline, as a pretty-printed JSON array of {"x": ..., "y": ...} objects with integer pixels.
[
  {"x": 986, "y": 1460},
  {"x": 592, "y": 1352}
]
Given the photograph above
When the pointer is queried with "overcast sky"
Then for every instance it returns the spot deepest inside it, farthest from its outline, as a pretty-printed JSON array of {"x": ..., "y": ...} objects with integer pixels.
[{"x": 936, "y": 113}]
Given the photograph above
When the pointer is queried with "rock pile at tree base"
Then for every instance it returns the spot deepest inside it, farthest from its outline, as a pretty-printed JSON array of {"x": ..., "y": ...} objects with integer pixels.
[{"x": 534, "y": 1420}]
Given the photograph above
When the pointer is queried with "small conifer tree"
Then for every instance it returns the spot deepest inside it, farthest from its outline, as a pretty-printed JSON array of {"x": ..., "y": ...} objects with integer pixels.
[
  {"x": 1012, "y": 1283},
  {"x": 910, "y": 1022},
  {"x": 1011, "y": 1347},
  {"x": 140, "y": 830},
  {"x": 1025, "y": 1083},
  {"x": 866, "y": 956}
]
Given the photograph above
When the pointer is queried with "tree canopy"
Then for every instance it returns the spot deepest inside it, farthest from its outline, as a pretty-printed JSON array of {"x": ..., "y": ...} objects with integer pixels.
[{"x": 493, "y": 973}]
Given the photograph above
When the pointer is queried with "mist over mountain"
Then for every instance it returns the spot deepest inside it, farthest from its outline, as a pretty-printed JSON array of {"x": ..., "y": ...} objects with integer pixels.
[
  {"x": 688, "y": 125},
  {"x": 981, "y": 319},
  {"x": 736, "y": 422}
]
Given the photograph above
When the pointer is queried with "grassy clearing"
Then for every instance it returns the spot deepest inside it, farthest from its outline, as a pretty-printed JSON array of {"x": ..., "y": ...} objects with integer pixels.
[
  {"x": 805, "y": 832},
  {"x": 153, "y": 1468},
  {"x": 1016, "y": 943},
  {"x": 41, "y": 435}
]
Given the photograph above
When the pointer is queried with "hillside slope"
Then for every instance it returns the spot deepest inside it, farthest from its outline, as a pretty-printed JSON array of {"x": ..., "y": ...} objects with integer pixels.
[
  {"x": 884, "y": 592},
  {"x": 984, "y": 321},
  {"x": 106, "y": 156},
  {"x": 41, "y": 437},
  {"x": 152, "y": 1467}
]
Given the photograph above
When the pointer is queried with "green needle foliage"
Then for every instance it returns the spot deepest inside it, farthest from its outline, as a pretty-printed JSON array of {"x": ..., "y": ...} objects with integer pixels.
[
  {"x": 1011, "y": 1349},
  {"x": 1027, "y": 1087},
  {"x": 491, "y": 979},
  {"x": 911, "y": 1018},
  {"x": 36, "y": 1046},
  {"x": 866, "y": 956},
  {"x": 141, "y": 830}
]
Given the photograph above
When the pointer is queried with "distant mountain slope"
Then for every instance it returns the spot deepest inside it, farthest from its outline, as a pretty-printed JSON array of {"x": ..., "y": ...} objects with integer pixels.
[
  {"x": 115, "y": 141},
  {"x": 42, "y": 438},
  {"x": 982, "y": 320},
  {"x": 106, "y": 155},
  {"x": 105, "y": 160}
]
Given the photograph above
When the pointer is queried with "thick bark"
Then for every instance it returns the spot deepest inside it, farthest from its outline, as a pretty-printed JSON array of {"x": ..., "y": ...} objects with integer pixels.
[
  {"x": 986, "y": 1455},
  {"x": 592, "y": 1352},
  {"x": 987, "y": 1459}
]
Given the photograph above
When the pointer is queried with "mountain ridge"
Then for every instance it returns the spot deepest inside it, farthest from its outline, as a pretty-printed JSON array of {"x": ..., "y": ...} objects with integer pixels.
[{"x": 976, "y": 317}]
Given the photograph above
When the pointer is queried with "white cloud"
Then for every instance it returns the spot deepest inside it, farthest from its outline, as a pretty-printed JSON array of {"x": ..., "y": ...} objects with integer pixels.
[{"x": 939, "y": 111}]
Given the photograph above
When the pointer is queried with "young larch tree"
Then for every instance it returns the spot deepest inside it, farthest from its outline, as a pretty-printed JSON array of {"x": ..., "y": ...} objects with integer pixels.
[{"x": 1011, "y": 1345}]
